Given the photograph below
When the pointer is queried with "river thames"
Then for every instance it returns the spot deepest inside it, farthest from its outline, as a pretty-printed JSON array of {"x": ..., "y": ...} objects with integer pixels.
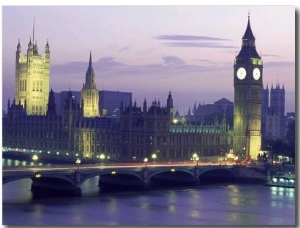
[{"x": 209, "y": 205}]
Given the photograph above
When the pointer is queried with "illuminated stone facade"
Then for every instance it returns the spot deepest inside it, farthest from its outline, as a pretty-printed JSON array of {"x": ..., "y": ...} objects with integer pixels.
[
  {"x": 248, "y": 76},
  {"x": 137, "y": 134},
  {"x": 32, "y": 79},
  {"x": 153, "y": 130},
  {"x": 90, "y": 94}
]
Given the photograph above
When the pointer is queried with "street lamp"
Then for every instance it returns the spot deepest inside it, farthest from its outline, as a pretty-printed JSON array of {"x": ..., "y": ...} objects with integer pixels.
[
  {"x": 102, "y": 157},
  {"x": 145, "y": 160},
  {"x": 35, "y": 158},
  {"x": 153, "y": 157},
  {"x": 78, "y": 161},
  {"x": 194, "y": 156},
  {"x": 134, "y": 158}
]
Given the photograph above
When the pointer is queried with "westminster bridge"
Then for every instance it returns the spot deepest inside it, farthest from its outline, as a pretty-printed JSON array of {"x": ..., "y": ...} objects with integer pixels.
[{"x": 68, "y": 179}]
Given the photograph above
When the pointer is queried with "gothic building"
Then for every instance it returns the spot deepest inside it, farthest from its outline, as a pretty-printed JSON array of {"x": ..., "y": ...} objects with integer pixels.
[
  {"x": 79, "y": 129},
  {"x": 248, "y": 79},
  {"x": 152, "y": 130},
  {"x": 138, "y": 133},
  {"x": 273, "y": 113},
  {"x": 210, "y": 113},
  {"x": 32, "y": 78},
  {"x": 90, "y": 94}
]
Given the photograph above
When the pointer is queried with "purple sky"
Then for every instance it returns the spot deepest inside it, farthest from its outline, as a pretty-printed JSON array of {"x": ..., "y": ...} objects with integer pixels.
[{"x": 150, "y": 50}]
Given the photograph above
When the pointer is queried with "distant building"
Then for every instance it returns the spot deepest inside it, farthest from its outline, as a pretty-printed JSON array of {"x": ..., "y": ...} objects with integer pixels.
[
  {"x": 210, "y": 113},
  {"x": 110, "y": 102},
  {"x": 61, "y": 97},
  {"x": 290, "y": 116},
  {"x": 273, "y": 113}
]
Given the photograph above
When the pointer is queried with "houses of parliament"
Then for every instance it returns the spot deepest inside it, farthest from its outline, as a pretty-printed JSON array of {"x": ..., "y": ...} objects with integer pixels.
[{"x": 83, "y": 129}]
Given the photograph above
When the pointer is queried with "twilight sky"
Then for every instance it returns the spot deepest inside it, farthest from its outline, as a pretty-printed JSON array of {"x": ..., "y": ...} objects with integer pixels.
[{"x": 150, "y": 50}]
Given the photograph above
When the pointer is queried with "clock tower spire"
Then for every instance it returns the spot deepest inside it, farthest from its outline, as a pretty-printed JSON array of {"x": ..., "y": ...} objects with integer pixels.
[{"x": 248, "y": 82}]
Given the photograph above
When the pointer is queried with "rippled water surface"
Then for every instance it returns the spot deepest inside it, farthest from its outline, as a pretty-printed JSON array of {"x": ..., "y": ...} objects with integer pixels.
[{"x": 238, "y": 205}]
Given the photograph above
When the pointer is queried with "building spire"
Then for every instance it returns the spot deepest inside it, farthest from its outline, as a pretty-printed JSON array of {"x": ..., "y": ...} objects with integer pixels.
[
  {"x": 33, "y": 29},
  {"x": 248, "y": 33},
  {"x": 248, "y": 43},
  {"x": 90, "y": 62},
  {"x": 90, "y": 75}
]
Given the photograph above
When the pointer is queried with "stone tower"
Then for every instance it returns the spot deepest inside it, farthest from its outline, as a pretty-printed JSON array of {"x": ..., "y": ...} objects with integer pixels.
[
  {"x": 248, "y": 74},
  {"x": 90, "y": 94},
  {"x": 32, "y": 77}
]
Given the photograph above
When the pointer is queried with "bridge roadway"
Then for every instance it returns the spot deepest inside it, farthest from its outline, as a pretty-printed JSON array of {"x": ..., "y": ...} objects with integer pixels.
[{"x": 68, "y": 179}]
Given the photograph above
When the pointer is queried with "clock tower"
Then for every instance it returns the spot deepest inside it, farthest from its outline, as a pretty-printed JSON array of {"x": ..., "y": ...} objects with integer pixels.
[{"x": 248, "y": 82}]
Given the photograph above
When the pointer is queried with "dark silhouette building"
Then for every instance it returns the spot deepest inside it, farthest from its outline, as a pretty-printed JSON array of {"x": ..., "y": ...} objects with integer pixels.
[{"x": 273, "y": 113}]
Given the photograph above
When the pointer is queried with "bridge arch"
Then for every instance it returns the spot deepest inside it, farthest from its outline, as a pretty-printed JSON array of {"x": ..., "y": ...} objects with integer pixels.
[
  {"x": 59, "y": 178},
  {"x": 110, "y": 173},
  {"x": 170, "y": 171},
  {"x": 171, "y": 177},
  {"x": 216, "y": 175}
]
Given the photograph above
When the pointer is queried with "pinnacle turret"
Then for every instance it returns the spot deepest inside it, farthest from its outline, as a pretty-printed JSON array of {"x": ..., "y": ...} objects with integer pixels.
[
  {"x": 248, "y": 33},
  {"x": 248, "y": 44},
  {"x": 90, "y": 75}
]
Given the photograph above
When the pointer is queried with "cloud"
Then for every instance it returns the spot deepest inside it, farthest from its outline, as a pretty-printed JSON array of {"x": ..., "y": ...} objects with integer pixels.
[
  {"x": 172, "y": 60},
  {"x": 202, "y": 60},
  {"x": 199, "y": 45},
  {"x": 124, "y": 49},
  {"x": 280, "y": 64},
  {"x": 147, "y": 51},
  {"x": 187, "y": 37},
  {"x": 267, "y": 55},
  {"x": 113, "y": 73},
  {"x": 195, "y": 41}
]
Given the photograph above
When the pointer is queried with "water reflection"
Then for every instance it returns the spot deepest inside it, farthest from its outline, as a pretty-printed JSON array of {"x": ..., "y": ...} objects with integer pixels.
[
  {"x": 212, "y": 205},
  {"x": 17, "y": 163}
]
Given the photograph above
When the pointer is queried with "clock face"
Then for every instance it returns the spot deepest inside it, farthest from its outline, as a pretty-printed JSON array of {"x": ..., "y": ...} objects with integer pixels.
[
  {"x": 241, "y": 73},
  {"x": 256, "y": 73}
]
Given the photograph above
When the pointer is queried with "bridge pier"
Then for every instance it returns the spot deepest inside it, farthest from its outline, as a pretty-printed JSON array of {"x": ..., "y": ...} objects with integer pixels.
[
  {"x": 196, "y": 175},
  {"x": 77, "y": 190},
  {"x": 46, "y": 186},
  {"x": 145, "y": 174}
]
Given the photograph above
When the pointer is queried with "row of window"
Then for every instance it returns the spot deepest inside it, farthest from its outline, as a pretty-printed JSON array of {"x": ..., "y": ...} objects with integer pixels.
[{"x": 37, "y": 86}]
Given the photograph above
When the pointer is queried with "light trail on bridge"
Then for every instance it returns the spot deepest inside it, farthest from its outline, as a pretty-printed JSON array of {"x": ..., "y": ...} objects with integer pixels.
[{"x": 83, "y": 167}]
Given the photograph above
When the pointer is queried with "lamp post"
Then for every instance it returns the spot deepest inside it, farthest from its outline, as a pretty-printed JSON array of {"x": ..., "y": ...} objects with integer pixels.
[
  {"x": 134, "y": 158},
  {"x": 78, "y": 161},
  {"x": 102, "y": 157},
  {"x": 145, "y": 160},
  {"x": 153, "y": 157},
  {"x": 197, "y": 159},
  {"x": 35, "y": 158}
]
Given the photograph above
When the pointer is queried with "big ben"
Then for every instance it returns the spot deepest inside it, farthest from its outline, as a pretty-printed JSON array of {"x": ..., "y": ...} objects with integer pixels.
[{"x": 248, "y": 81}]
